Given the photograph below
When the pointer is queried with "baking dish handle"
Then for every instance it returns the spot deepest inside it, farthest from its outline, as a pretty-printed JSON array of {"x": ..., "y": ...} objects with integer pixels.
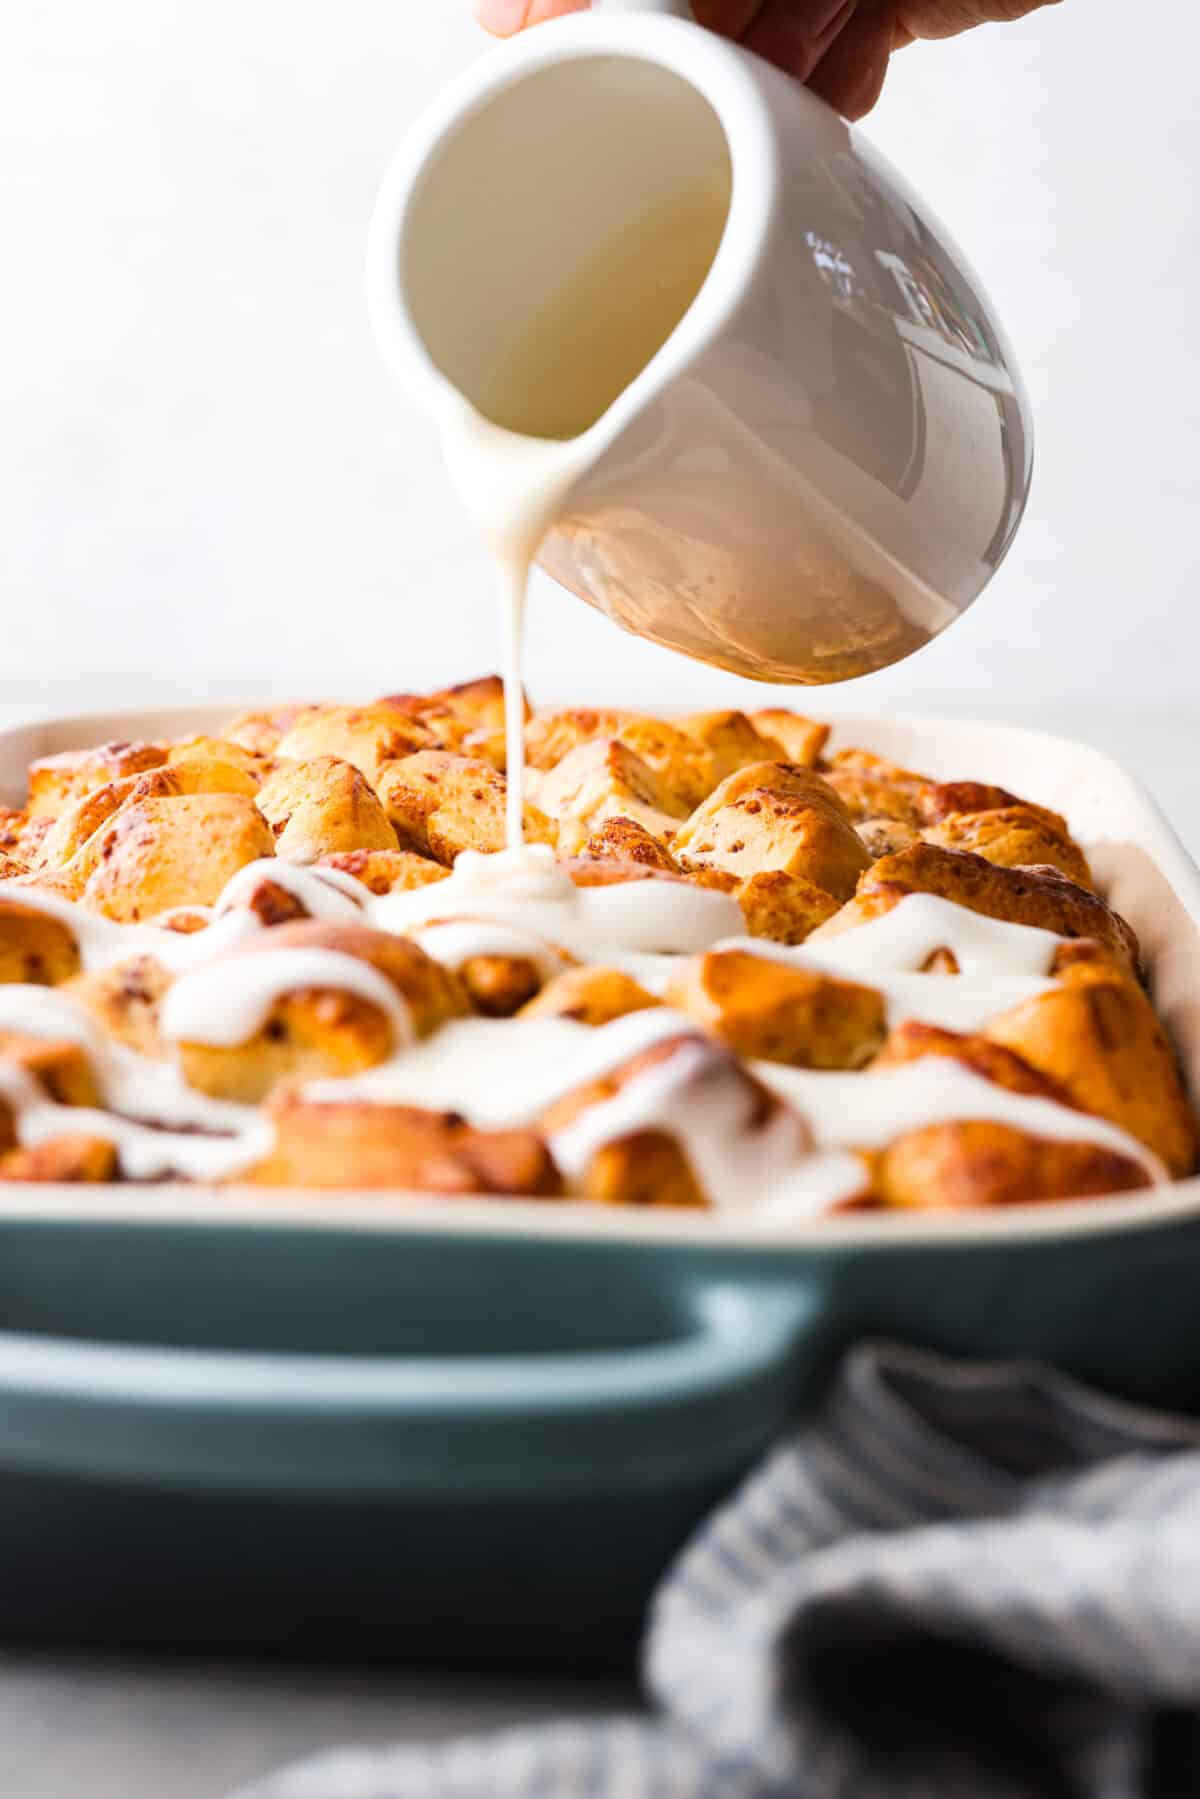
[{"x": 695, "y": 1407}]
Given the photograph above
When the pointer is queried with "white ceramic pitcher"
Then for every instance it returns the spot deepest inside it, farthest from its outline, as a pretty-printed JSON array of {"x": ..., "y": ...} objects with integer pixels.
[{"x": 828, "y": 458}]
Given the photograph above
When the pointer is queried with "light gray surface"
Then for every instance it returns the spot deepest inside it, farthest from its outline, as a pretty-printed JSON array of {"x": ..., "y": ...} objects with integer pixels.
[
  {"x": 75, "y": 1727},
  {"x": 95, "y": 1728}
]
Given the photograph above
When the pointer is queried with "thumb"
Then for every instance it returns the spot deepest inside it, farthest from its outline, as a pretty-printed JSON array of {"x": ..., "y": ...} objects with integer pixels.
[{"x": 504, "y": 18}]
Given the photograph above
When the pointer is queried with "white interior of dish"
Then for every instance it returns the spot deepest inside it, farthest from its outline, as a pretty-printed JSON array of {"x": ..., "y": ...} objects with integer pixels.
[{"x": 1140, "y": 864}]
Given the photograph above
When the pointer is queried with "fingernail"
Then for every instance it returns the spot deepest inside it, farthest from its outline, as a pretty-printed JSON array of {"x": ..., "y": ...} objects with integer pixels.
[{"x": 501, "y": 17}]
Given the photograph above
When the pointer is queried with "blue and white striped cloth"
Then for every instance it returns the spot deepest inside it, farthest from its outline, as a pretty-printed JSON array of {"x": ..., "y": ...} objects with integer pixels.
[{"x": 957, "y": 1581}]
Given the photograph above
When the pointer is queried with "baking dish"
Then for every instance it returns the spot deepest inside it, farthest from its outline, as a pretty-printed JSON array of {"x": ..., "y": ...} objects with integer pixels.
[{"x": 370, "y": 1425}]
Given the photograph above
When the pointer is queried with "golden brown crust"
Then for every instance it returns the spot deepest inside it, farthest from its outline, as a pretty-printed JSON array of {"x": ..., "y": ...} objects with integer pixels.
[
  {"x": 202, "y": 772},
  {"x": 886, "y": 836},
  {"x": 321, "y": 807},
  {"x": 730, "y": 741},
  {"x": 223, "y": 750},
  {"x": 21, "y": 835},
  {"x": 643, "y": 1168},
  {"x": 324, "y": 1033},
  {"x": 1016, "y": 837},
  {"x": 801, "y": 740},
  {"x": 367, "y": 737},
  {"x": 60, "y": 1067},
  {"x": 354, "y": 1144},
  {"x": 441, "y": 804},
  {"x": 912, "y": 1040},
  {"x": 70, "y": 1158},
  {"x": 871, "y": 787},
  {"x": 585, "y": 872},
  {"x": 1102, "y": 1043},
  {"x": 260, "y": 732},
  {"x": 601, "y": 780},
  {"x": 589, "y": 994},
  {"x": 770, "y": 1012},
  {"x": 498, "y": 986},
  {"x": 682, "y": 769},
  {"x": 54, "y": 781},
  {"x": 430, "y": 992},
  {"x": 35, "y": 948},
  {"x": 80, "y": 819},
  {"x": 1032, "y": 896},
  {"x": 786, "y": 908},
  {"x": 160, "y": 853},
  {"x": 623, "y": 839},
  {"x": 975, "y": 1163},
  {"x": 775, "y": 815},
  {"x": 468, "y": 717},
  {"x": 387, "y": 871},
  {"x": 939, "y": 799}
]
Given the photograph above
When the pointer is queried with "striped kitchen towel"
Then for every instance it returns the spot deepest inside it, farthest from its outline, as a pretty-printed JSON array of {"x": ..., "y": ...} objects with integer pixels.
[{"x": 956, "y": 1581}]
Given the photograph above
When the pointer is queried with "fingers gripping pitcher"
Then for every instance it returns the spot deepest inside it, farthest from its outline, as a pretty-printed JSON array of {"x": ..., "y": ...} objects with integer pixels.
[{"x": 695, "y": 347}]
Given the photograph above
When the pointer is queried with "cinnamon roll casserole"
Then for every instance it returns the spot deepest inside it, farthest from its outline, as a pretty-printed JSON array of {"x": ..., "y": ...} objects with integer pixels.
[{"x": 727, "y": 970}]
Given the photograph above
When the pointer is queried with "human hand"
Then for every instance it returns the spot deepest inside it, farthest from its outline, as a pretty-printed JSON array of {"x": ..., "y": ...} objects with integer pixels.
[{"x": 840, "y": 48}]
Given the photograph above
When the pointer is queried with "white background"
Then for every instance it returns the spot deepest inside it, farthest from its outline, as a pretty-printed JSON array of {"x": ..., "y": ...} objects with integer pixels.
[{"x": 207, "y": 485}]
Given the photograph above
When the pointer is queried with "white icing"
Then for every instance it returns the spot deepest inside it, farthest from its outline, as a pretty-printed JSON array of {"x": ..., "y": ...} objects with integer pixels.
[
  {"x": 527, "y": 889},
  {"x": 145, "y": 1154},
  {"x": 906, "y": 937},
  {"x": 228, "y": 1002},
  {"x": 325, "y": 893},
  {"x": 955, "y": 1002},
  {"x": 102, "y": 942},
  {"x": 869, "y": 1110},
  {"x": 811, "y": 1188},
  {"x": 134, "y": 1088},
  {"x": 699, "y": 1097},
  {"x": 453, "y": 941},
  {"x": 499, "y": 1073}
]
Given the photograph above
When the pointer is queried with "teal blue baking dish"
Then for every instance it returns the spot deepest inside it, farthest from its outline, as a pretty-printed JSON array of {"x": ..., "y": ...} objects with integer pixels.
[{"x": 361, "y": 1427}]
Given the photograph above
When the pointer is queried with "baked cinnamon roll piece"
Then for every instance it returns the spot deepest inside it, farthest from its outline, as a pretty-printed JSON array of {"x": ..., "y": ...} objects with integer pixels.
[
  {"x": 623, "y": 839},
  {"x": 387, "y": 870},
  {"x": 320, "y": 1027},
  {"x": 154, "y": 854},
  {"x": 604, "y": 780},
  {"x": 871, "y": 787},
  {"x": 468, "y": 718},
  {"x": 786, "y": 908},
  {"x": 54, "y": 781},
  {"x": 441, "y": 804},
  {"x": 775, "y": 815},
  {"x": 769, "y": 1011},
  {"x": 981, "y": 1163},
  {"x": 353, "y": 1144},
  {"x": 35, "y": 947},
  {"x": 367, "y": 737},
  {"x": 1015, "y": 836},
  {"x": 1032, "y": 896},
  {"x": 321, "y": 807},
  {"x": 1101, "y": 1042},
  {"x": 589, "y": 994}
]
